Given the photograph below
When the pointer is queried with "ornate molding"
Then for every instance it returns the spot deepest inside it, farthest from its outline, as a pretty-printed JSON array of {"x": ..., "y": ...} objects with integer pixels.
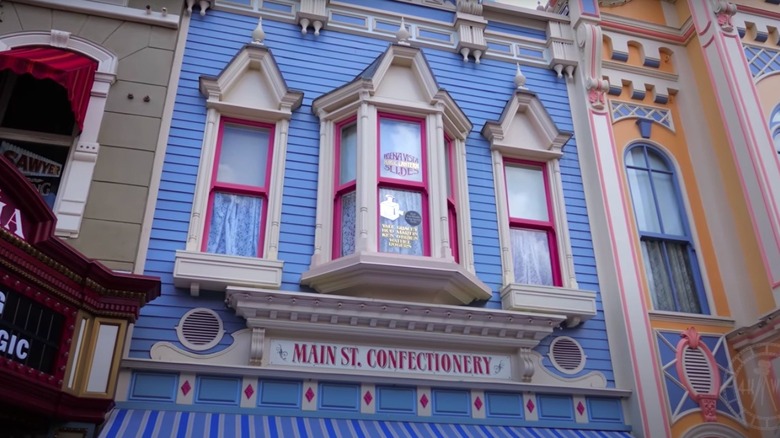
[
  {"x": 312, "y": 13},
  {"x": 589, "y": 41},
  {"x": 471, "y": 30},
  {"x": 724, "y": 11}
]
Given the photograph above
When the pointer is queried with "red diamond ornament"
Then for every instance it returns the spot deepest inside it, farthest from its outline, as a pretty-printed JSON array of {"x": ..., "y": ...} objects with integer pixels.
[
  {"x": 478, "y": 403},
  {"x": 367, "y": 397},
  {"x": 185, "y": 387},
  {"x": 309, "y": 395},
  {"x": 424, "y": 401},
  {"x": 580, "y": 408},
  {"x": 530, "y": 405},
  {"x": 249, "y": 391}
]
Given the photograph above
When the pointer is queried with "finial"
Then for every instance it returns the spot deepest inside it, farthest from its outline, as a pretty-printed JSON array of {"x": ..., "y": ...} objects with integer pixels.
[
  {"x": 258, "y": 35},
  {"x": 539, "y": 6},
  {"x": 402, "y": 35},
  {"x": 519, "y": 79}
]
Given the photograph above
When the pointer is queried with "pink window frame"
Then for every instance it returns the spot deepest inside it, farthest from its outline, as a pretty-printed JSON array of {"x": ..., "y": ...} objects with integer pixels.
[
  {"x": 340, "y": 189},
  {"x": 452, "y": 206},
  {"x": 548, "y": 225},
  {"x": 421, "y": 187},
  {"x": 240, "y": 189}
]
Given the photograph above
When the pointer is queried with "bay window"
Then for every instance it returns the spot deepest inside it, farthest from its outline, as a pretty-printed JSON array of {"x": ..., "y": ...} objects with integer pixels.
[
  {"x": 536, "y": 256},
  {"x": 392, "y": 220},
  {"x": 234, "y": 227}
]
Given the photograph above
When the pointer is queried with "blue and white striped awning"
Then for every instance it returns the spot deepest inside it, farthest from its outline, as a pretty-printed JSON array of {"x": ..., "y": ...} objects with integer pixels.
[{"x": 152, "y": 424}]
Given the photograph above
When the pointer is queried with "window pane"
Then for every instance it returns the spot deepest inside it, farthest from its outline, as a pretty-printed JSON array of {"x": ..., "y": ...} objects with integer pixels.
[
  {"x": 671, "y": 276},
  {"x": 400, "y": 222},
  {"x": 526, "y": 193},
  {"x": 644, "y": 205},
  {"x": 348, "y": 154},
  {"x": 531, "y": 257},
  {"x": 671, "y": 216},
  {"x": 636, "y": 157},
  {"x": 400, "y": 150},
  {"x": 656, "y": 162},
  {"x": 42, "y": 164},
  {"x": 348, "y": 223},
  {"x": 235, "y": 225},
  {"x": 243, "y": 155}
]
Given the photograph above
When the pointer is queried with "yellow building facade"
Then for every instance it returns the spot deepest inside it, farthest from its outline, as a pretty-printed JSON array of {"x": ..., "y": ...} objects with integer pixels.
[{"x": 683, "y": 104}]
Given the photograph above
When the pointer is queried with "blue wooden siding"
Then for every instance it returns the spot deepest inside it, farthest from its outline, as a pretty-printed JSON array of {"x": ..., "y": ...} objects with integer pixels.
[{"x": 317, "y": 65}]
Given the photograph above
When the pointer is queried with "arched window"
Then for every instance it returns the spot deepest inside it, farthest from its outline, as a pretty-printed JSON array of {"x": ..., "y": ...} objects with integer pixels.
[
  {"x": 774, "y": 127},
  {"x": 667, "y": 247}
]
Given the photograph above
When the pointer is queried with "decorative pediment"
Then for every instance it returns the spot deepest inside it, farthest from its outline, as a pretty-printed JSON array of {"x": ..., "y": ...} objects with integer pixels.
[
  {"x": 251, "y": 86},
  {"x": 526, "y": 129},
  {"x": 400, "y": 78}
]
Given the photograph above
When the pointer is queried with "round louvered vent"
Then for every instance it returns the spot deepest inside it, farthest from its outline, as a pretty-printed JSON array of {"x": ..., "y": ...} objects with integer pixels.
[
  {"x": 200, "y": 329},
  {"x": 566, "y": 355},
  {"x": 698, "y": 370}
]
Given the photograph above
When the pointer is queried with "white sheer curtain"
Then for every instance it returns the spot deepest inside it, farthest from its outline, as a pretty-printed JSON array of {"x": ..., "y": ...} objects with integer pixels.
[
  {"x": 672, "y": 282},
  {"x": 235, "y": 225},
  {"x": 531, "y": 257}
]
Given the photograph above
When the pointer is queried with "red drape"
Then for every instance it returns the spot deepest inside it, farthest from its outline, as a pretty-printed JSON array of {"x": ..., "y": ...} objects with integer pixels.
[{"x": 72, "y": 70}]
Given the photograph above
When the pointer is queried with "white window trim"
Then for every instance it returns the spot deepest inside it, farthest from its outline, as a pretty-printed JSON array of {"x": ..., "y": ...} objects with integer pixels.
[
  {"x": 436, "y": 278},
  {"x": 195, "y": 269},
  {"x": 80, "y": 166},
  {"x": 543, "y": 145}
]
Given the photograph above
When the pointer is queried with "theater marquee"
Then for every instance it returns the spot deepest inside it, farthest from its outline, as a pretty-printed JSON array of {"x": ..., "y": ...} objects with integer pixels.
[{"x": 389, "y": 360}]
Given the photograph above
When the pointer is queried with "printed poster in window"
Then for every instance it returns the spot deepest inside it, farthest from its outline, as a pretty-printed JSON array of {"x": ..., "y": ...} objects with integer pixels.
[
  {"x": 400, "y": 222},
  {"x": 400, "y": 151},
  {"x": 41, "y": 164}
]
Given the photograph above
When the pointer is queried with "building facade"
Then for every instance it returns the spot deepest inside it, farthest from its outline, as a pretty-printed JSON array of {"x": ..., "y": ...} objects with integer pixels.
[
  {"x": 83, "y": 87},
  {"x": 371, "y": 220},
  {"x": 424, "y": 217}
]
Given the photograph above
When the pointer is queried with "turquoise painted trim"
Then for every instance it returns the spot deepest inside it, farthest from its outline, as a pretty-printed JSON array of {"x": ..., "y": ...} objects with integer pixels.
[{"x": 154, "y": 386}]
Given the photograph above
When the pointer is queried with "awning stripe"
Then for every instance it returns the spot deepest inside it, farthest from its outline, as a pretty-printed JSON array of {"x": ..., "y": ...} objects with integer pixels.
[{"x": 135, "y": 423}]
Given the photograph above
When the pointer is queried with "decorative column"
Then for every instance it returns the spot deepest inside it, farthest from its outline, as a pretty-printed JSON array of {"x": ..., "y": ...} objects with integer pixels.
[
  {"x": 623, "y": 287},
  {"x": 751, "y": 144}
]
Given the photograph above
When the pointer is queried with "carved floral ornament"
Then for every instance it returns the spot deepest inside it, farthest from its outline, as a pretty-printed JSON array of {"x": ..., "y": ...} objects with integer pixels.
[{"x": 724, "y": 10}]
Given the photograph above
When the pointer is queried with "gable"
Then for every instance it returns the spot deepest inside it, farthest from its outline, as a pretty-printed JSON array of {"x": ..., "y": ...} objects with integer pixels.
[
  {"x": 402, "y": 83},
  {"x": 251, "y": 89}
]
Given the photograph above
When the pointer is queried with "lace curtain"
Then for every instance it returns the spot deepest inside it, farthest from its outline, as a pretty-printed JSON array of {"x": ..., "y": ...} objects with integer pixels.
[
  {"x": 672, "y": 284},
  {"x": 531, "y": 257},
  {"x": 235, "y": 225}
]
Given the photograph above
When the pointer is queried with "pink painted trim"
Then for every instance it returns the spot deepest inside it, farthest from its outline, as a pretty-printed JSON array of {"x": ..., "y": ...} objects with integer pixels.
[
  {"x": 652, "y": 34},
  {"x": 648, "y": 340},
  {"x": 452, "y": 206},
  {"x": 340, "y": 189},
  {"x": 260, "y": 192},
  {"x": 760, "y": 12},
  {"x": 421, "y": 187},
  {"x": 743, "y": 185},
  {"x": 548, "y": 225}
]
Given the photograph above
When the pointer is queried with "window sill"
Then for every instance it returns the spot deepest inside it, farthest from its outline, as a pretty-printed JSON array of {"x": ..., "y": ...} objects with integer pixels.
[
  {"x": 576, "y": 305},
  {"x": 397, "y": 277},
  {"x": 199, "y": 270},
  {"x": 691, "y": 318}
]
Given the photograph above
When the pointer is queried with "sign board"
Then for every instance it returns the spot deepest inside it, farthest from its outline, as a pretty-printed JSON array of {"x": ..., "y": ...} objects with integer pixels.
[
  {"x": 389, "y": 359},
  {"x": 29, "y": 331}
]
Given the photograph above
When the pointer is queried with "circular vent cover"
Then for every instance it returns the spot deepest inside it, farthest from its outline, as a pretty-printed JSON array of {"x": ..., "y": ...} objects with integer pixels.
[
  {"x": 567, "y": 355},
  {"x": 200, "y": 329}
]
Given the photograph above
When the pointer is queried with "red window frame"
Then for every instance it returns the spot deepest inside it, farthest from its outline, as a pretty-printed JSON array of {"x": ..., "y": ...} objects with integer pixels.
[
  {"x": 548, "y": 226},
  {"x": 452, "y": 206},
  {"x": 340, "y": 188},
  {"x": 421, "y": 187},
  {"x": 240, "y": 189}
]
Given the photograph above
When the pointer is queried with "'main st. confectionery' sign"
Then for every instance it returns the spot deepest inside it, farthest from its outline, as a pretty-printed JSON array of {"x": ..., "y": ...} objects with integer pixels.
[{"x": 389, "y": 360}]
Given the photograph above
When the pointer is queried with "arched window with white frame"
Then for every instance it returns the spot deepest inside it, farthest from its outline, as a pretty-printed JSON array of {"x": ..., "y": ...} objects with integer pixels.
[{"x": 668, "y": 251}]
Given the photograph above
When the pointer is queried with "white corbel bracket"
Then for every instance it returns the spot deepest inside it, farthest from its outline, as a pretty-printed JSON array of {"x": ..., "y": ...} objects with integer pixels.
[
  {"x": 204, "y": 5},
  {"x": 312, "y": 13}
]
